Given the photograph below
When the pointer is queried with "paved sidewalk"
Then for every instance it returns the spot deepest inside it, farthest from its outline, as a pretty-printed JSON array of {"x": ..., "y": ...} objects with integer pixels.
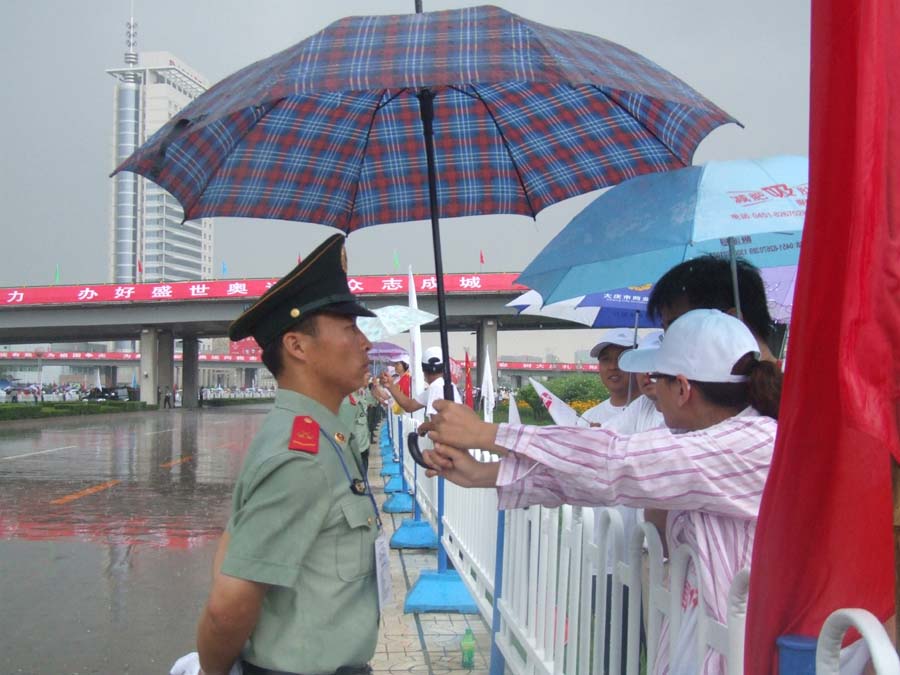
[{"x": 420, "y": 643}]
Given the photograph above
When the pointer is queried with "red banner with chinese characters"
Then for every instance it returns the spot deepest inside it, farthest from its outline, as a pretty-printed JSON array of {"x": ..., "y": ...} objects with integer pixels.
[
  {"x": 88, "y": 294},
  {"x": 249, "y": 355}
]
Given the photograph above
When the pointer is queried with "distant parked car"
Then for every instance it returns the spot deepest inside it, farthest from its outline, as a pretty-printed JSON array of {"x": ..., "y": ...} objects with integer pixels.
[{"x": 105, "y": 394}]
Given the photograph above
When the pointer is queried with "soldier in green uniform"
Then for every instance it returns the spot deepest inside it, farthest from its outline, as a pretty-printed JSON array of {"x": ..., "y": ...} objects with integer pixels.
[
  {"x": 354, "y": 413},
  {"x": 294, "y": 580}
]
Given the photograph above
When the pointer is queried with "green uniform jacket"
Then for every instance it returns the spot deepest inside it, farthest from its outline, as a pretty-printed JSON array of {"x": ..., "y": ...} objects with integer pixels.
[{"x": 296, "y": 525}]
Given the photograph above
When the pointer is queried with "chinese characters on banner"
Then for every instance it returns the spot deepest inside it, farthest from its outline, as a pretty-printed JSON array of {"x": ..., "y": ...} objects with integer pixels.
[{"x": 251, "y": 289}]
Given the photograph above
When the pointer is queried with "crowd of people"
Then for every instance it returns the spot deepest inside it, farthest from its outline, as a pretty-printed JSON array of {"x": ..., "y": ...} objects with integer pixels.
[{"x": 685, "y": 441}]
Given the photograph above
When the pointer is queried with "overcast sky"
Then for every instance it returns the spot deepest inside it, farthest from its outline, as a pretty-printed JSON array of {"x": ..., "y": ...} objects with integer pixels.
[{"x": 752, "y": 59}]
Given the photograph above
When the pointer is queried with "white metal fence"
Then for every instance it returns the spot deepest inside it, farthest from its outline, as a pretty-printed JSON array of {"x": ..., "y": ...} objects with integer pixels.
[{"x": 556, "y": 596}]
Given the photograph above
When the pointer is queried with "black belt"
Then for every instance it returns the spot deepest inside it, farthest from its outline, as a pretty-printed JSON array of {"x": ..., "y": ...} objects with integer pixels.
[{"x": 252, "y": 669}]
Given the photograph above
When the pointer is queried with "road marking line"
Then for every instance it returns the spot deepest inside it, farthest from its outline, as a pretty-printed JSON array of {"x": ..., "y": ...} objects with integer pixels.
[
  {"x": 39, "y": 452},
  {"x": 86, "y": 492},
  {"x": 176, "y": 462},
  {"x": 162, "y": 431}
]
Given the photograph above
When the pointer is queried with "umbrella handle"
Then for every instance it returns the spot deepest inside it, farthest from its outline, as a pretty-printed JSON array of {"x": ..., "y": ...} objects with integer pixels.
[{"x": 412, "y": 444}]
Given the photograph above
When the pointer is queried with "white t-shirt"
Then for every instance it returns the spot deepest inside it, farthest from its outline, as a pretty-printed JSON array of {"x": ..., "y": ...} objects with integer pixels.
[
  {"x": 603, "y": 412},
  {"x": 435, "y": 392},
  {"x": 639, "y": 415}
]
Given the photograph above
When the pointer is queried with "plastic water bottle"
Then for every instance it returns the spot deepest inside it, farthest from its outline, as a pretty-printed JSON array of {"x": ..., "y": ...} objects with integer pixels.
[{"x": 467, "y": 645}]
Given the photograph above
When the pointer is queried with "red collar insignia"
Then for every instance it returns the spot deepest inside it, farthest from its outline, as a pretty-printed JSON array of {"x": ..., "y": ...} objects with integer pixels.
[{"x": 305, "y": 435}]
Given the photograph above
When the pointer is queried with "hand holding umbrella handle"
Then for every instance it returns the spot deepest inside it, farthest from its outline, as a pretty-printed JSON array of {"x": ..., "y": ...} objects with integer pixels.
[{"x": 412, "y": 444}]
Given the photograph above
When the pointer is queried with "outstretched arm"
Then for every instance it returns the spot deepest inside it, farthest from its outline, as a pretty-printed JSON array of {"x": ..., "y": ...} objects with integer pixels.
[{"x": 410, "y": 405}]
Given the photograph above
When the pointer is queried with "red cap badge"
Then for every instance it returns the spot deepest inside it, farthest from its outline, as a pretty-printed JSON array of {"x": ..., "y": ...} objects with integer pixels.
[{"x": 305, "y": 435}]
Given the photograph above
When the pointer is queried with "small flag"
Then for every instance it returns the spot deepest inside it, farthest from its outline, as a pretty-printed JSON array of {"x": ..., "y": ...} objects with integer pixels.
[
  {"x": 224, "y": 269},
  {"x": 469, "y": 396},
  {"x": 481, "y": 257},
  {"x": 140, "y": 267},
  {"x": 56, "y": 278},
  {"x": 299, "y": 259},
  {"x": 396, "y": 260}
]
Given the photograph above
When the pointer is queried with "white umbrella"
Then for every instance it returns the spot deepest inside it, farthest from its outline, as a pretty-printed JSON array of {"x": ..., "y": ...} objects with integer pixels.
[{"x": 392, "y": 320}]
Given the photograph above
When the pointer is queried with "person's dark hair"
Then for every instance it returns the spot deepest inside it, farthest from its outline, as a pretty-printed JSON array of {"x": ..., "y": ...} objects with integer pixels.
[
  {"x": 272, "y": 352},
  {"x": 762, "y": 390},
  {"x": 705, "y": 283}
]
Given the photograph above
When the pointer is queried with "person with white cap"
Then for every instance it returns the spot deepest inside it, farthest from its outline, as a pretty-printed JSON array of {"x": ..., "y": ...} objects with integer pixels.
[
  {"x": 707, "y": 467},
  {"x": 621, "y": 386},
  {"x": 433, "y": 369}
]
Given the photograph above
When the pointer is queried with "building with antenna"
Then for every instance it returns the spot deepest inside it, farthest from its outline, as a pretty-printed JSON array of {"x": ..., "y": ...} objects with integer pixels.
[{"x": 149, "y": 241}]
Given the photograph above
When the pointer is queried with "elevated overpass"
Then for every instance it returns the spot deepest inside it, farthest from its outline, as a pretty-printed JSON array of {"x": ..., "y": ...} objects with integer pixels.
[{"x": 157, "y": 314}]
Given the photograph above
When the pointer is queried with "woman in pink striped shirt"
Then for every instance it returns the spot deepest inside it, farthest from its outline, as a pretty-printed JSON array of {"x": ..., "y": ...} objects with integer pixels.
[{"x": 707, "y": 468}]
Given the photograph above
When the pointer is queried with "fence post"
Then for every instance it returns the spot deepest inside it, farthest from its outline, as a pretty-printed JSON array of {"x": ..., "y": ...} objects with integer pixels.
[
  {"x": 400, "y": 501},
  {"x": 414, "y": 532},
  {"x": 498, "y": 663}
]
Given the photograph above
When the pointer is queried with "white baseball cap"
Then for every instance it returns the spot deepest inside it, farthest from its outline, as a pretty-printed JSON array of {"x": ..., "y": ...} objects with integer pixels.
[
  {"x": 703, "y": 345},
  {"x": 433, "y": 356},
  {"x": 652, "y": 340},
  {"x": 402, "y": 358},
  {"x": 623, "y": 337}
]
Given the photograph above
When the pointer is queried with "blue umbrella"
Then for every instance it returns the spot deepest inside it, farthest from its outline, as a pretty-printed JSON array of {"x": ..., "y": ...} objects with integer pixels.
[
  {"x": 614, "y": 309},
  {"x": 644, "y": 226}
]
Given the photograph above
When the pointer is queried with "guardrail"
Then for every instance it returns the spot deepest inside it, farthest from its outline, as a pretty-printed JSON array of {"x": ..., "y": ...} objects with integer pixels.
[{"x": 566, "y": 573}]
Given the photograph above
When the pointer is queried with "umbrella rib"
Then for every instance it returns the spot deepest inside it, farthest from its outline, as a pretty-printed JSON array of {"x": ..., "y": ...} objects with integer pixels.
[
  {"x": 490, "y": 112},
  {"x": 381, "y": 104},
  {"x": 618, "y": 105},
  {"x": 264, "y": 109}
]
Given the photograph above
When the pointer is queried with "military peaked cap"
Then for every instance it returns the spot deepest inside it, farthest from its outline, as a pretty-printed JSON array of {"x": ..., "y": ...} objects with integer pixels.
[{"x": 317, "y": 284}]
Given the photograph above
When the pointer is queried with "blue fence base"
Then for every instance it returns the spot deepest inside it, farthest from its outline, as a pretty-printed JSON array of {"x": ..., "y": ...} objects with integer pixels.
[
  {"x": 399, "y": 502},
  {"x": 414, "y": 534},
  {"x": 390, "y": 469},
  {"x": 439, "y": 592},
  {"x": 395, "y": 484},
  {"x": 796, "y": 655}
]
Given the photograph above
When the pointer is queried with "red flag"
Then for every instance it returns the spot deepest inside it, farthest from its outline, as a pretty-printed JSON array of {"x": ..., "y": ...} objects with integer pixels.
[
  {"x": 140, "y": 267},
  {"x": 470, "y": 398},
  {"x": 824, "y": 536},
  {"x": 481, "y": 257}
]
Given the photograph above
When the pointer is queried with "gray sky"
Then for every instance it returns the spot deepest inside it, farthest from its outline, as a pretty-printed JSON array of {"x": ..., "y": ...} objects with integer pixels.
[{"x": 56, "y": 121}]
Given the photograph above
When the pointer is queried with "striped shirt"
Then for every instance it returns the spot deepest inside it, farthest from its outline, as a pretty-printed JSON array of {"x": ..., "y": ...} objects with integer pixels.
[{"x": 711, "y": 482}]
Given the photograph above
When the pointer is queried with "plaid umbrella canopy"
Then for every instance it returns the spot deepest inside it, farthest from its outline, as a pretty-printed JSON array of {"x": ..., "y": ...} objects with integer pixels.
[{"x": 504, "y": 115}]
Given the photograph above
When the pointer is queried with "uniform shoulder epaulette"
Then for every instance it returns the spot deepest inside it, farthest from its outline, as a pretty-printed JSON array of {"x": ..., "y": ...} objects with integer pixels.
[{"x": 305, "y": 435}]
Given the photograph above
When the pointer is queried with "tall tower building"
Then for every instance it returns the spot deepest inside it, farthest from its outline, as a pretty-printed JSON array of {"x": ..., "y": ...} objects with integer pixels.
[{"x": 148, "y": 240}]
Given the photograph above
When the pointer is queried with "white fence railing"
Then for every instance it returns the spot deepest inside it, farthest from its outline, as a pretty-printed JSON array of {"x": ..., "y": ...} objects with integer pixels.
[{"x": 566, "y": 570}]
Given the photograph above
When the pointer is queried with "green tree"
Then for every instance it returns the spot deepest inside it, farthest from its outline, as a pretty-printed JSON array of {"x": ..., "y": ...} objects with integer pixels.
[{"x": 575, "y": 387}]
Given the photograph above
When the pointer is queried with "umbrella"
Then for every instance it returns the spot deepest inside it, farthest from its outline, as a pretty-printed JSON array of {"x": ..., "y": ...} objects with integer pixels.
[
  {"x": 613, "y": 309},
  {"x": 387, "y": 352},
  {"x": 503, "y": 115},
  {"x": 641, "y": 228},
  {"x": 392, "y": 320},
  {"x": 778, "y": 282}
]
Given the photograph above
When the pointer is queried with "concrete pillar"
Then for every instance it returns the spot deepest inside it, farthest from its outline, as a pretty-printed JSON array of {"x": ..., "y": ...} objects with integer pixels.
[
  {"x": 486, "y": 339},
  {"x": 166, "y": 360},
  {"x": 113, "y": 376},
  {"x": 148, "y": 380},
  {"x": 190, "y": 372}
]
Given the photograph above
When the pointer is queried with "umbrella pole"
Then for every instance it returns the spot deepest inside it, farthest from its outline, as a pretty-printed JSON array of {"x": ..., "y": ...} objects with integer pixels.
[
  {"x": 732, "y": 256},
  {"x": 633, "y": 346},
  {"x": 426, "y": 109}
]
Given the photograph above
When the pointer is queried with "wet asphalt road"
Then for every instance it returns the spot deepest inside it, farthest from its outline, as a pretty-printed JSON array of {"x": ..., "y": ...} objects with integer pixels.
[{"x": 108, "y": 527}]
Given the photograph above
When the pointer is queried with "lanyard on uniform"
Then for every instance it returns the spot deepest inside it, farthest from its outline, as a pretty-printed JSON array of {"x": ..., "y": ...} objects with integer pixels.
[{"x": 355, "y": 483}]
